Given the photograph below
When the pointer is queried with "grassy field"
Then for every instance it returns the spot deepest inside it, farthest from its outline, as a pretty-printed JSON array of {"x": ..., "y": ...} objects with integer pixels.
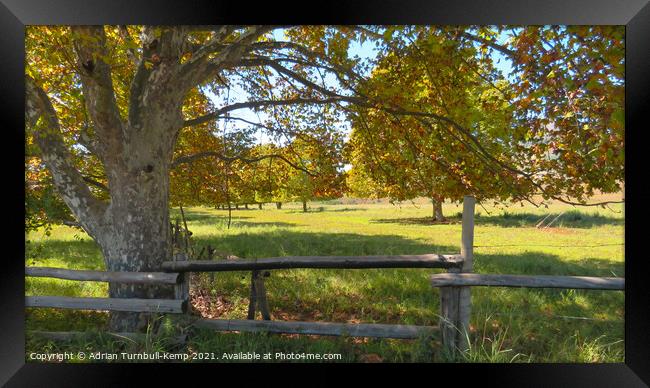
[{"x": 508, "y": 325}]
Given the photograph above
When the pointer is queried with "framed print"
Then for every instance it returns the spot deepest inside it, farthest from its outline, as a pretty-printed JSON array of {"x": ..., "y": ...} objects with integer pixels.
[{"x": 431, "y": 186}]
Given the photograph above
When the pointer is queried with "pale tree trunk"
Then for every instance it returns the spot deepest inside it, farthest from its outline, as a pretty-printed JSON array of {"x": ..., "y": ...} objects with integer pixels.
[
  {"x": 138, "y": 221},
  {"x": 437, "y": 209}
]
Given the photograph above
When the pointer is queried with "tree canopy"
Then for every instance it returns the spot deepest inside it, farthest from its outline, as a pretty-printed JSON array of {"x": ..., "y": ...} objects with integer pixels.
[{"x": 553, "y": 126}]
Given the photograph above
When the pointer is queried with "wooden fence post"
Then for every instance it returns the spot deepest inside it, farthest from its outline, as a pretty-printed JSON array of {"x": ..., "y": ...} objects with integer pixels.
[
  {"x": 260, "y": 289},
  {"x": 449, "y": 317},
  {"x": 258, "y": 295},
  {"x": 467, "y": 252},
  {"x": 455, "y": 302},
  {"x": 252, "y": 304},
  {"x": 182, "y": 289}
]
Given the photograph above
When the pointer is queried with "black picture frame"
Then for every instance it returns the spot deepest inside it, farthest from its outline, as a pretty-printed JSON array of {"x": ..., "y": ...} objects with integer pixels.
[{"x": 634, "y": 14}]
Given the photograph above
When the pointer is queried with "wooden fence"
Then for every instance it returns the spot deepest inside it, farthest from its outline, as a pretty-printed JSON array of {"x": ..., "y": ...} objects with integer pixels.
[
  {"x": 178, "y": 305},
  {"x": 455, "y": 285}
]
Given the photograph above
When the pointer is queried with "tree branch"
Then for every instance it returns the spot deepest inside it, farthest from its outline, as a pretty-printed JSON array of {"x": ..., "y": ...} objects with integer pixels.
[
  {"x": 262, "y": 103},
  {"x": 190, "y": 158},
  {"x": 490, "y": 43},
  {"x": 41, "y": 116},
  {"x": 279, "y": 45},
  {"x": 95, "y": 183},
  {"x": 97, "y": 85},
  {"x": 283, "y": 70},
  {"x": 201, "y": 67},
  {"x": 482, "y": 151},
  {"x": 166, "y": 48}
]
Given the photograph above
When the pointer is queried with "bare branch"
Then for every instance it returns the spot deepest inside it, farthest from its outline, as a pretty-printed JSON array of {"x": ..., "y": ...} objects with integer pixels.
[
  {"x": 307, "y": 53},
  {"x": 217, "y": 42},
  {"x": 290, "y": 73},
  {"x": 490, "y": 43},
  {"x": 262, "y": 103},
  {"x": 190, "y": 158}
]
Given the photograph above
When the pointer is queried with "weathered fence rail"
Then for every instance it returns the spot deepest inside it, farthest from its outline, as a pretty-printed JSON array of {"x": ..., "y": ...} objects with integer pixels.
[
  {"x": 104, "y": 276},
  {"x": 114, "y": 304},
  {"x": 178, "y": 305},
  {"x": 537, "y": 281},
  {"x": 318, "y": 328},
  {"x": 317, "y": 262}
]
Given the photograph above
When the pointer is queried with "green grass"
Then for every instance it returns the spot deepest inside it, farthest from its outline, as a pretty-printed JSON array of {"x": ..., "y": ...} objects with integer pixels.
[{"x": 508, "y": 325}]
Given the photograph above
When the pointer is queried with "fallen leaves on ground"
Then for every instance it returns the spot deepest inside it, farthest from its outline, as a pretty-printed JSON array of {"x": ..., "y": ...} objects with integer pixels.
[{"x": 209, "y": 306}]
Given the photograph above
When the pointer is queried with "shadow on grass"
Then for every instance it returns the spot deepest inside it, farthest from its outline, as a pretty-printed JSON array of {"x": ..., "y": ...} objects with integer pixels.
[
  {"x": 348, "y": 209},
  {"x": 50, "y": 319},
  {"x": 570, "y": 219},
  {"x": 204, "y": 216},
  {"x": 85, "y": 254},
  {"x": 416, "y": 221},
  {"x": 397, "y": 295},
  {"x": 538, "y": 263},
  {"x": 247, "y": 224},
  {"x": 397, "y": 282},
  {"x": 293, "y": 243},
  {"x": 319, "y": 209},
  {"x": 236, "y": 222},
  {"x": 219, "y": 220}
]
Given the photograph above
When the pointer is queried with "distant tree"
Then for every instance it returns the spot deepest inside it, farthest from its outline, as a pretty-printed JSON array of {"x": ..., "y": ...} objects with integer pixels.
[
  {"x": 323, "y": 176},
  {"x": 360, "y": 185}
]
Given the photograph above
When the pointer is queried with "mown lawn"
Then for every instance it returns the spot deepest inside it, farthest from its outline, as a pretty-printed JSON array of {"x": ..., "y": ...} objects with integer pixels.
[{"x": 508, "y": 325}]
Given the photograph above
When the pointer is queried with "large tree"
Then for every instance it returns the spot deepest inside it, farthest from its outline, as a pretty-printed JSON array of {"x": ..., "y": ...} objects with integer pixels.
[
  {"x": 106, "y": 107},
  {"x": 409, "y": 156},
  {"x": 115, "y": 96}
]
